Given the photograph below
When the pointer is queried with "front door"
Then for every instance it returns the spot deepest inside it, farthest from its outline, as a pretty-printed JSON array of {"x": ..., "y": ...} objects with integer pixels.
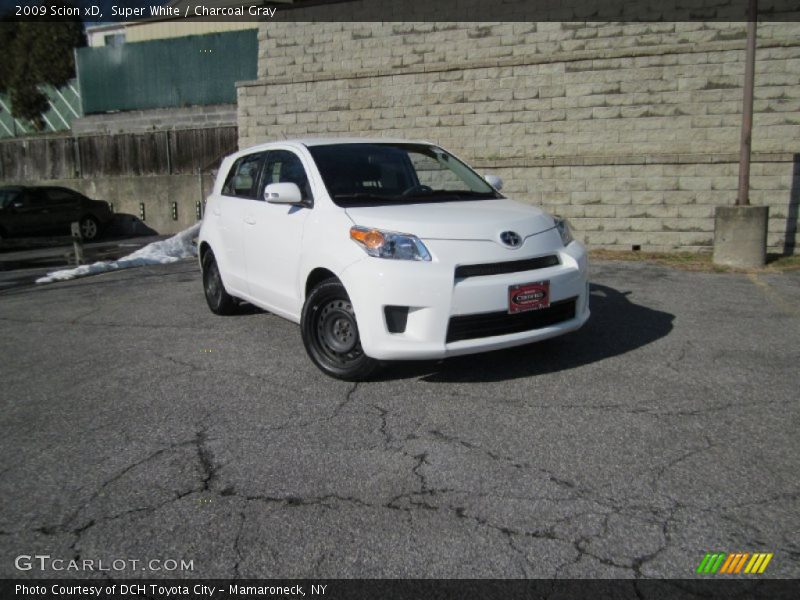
[{"x": 273, "y": 235}]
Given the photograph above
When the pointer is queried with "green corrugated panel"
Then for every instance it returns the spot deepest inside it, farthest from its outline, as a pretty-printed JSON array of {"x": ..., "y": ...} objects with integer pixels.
[{"x": 185, "y": 71}]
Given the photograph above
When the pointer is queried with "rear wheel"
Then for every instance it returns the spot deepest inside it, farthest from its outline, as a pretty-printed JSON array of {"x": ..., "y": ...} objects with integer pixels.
[
  {"x": 330, "y": 333},
  {"x": 219, "y": 301},
  {"x": 90, "y": 228}
]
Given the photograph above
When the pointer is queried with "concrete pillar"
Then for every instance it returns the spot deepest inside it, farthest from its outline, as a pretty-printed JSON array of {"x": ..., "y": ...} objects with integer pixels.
[{"x": 740, "y": 236}]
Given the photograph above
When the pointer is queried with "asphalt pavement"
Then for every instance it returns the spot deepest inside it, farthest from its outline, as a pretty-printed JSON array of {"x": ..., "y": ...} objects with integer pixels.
[
  {"x": 136, "y": 425},
  {"x": 24, "y": 260}
]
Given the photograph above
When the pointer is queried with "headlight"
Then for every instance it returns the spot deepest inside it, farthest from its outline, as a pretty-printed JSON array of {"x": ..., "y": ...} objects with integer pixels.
[
  {"x": 388, "y": 244},
  {"x": 563, "y": 230}
]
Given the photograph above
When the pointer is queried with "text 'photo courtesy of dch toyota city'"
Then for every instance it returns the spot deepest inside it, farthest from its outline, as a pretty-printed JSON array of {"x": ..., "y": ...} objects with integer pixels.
[{"x": 386, "y": 250}]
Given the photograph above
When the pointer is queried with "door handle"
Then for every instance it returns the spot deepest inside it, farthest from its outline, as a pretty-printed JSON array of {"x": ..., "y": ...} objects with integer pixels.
[
  {"x": 216, "y": 211},
  {"x": 250, "y": 220}
]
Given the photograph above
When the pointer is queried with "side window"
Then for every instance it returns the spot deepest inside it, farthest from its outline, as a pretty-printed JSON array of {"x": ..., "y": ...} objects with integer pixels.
[
  {"x": 242, "y": 180},
  {"x": 59, "y": 196},
  {"x": 285, "y": 167},
  {"x": 33, "y": 198}
]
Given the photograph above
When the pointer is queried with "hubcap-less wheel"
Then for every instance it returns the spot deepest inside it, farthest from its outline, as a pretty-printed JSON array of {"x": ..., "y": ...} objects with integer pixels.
[
  {"x": 89, "y": 228},
  {"x": 213, "y": 283},
  {"x": 337, "y": 331},
  {"x": 330, "y": 333},
  {"x": 219, "y": 300}
]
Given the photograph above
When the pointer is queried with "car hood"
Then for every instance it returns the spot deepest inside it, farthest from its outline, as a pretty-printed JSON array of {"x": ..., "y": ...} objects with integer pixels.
[{"x": 469, "y": 220}]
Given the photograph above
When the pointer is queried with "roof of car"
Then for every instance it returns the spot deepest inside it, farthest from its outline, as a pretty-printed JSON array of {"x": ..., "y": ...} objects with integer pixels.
[
  {"x": 323, "y": 141},
  {"x": 356, "y": 140}
]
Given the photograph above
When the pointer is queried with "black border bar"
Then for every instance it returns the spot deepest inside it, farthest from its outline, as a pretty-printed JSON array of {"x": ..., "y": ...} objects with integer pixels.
[
  {"x": 712, "y": 588},
  {"x": 101, "y": 11}
]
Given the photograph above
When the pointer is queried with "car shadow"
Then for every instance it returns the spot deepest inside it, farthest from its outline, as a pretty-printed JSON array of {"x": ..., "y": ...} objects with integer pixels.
[
  {"x": 617, "y": 326},
  {"x": 123, "y": 225}
]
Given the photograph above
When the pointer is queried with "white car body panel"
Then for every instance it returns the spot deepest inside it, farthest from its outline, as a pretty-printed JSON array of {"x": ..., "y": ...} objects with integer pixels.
[
  {"x": 266, "y": 252},
  {"x": 470, "y": 220}
]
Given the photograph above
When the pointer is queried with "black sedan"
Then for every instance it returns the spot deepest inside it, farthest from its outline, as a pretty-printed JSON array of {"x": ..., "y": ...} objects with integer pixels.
[{"x": 44, "y": 209}]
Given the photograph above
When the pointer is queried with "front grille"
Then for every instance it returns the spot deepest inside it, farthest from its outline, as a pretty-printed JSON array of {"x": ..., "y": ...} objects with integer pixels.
[
  {"x": 469, "y": 327},
  {"x": 514, "y": 266}
]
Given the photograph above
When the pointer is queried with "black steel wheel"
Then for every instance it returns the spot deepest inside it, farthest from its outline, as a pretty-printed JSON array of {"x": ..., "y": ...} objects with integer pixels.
[
  {"x": 219, "y": 301},
  {"x": 330, "y": 333}
]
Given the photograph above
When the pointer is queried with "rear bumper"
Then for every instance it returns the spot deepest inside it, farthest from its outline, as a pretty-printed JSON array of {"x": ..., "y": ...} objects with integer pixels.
[{"x": 433, "y": 296}]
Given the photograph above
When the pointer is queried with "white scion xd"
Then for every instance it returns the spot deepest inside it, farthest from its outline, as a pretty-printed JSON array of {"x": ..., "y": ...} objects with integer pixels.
[{"x": 386, "y": 250}]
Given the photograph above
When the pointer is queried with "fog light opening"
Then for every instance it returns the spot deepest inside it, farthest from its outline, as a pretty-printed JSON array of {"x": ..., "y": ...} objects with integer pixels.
[{"x": 396, "y": 318}]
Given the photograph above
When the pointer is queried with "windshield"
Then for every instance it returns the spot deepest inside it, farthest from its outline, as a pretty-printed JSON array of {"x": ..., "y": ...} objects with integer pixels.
[{"x": 376, "y": 174}]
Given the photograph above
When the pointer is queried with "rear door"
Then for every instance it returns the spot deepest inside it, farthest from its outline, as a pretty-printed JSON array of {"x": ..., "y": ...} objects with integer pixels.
[
  {"x": 273, "y": 235},
  {"x": 238, "y": 193},
  {"x": 63, "y": 205}
]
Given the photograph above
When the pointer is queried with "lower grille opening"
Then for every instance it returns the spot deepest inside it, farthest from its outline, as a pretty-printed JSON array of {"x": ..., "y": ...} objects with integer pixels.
[
  {"x": 469, "y": 327},
  {"x": 396, "y": 318}
]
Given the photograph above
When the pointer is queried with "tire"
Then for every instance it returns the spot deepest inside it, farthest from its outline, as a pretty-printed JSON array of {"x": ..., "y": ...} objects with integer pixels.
[
  {"x": 330, "y": 334},
  {"x": 219, "y": 301},
  {"x": 90, "y": 228}
]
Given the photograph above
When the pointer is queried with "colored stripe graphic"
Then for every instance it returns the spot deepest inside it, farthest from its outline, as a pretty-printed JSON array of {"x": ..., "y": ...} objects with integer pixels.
[
  {"x": 703, "y": 563},
  {"x": 711, "y": 562},
  {"x": 740, "y": 564},
  {"x": 732, "y": 564},
  {"x": 727, "y": 564},
  {"x": 758, "y": 563},
  {"x": 718, "y": 564}
]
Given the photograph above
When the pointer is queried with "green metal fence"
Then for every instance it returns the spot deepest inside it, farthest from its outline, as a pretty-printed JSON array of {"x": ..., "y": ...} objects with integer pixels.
[
  {"x": 184, "y": 71},
  {"x": 65, "y": 106}
]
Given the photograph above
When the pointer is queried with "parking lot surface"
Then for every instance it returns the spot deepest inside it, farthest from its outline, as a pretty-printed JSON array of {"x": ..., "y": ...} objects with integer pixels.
[{"x": 136, "y": 425}]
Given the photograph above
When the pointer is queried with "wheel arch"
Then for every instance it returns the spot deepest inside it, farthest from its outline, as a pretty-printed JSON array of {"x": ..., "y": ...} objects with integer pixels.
[
  {"x": 317, "y": 276},
  {"x": 203, "y": 250}
]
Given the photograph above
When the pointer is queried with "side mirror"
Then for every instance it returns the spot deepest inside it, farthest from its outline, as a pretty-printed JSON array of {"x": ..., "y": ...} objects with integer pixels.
[
  {"x": 283, "y": 193},
  {"x": 494, "y": 181}
]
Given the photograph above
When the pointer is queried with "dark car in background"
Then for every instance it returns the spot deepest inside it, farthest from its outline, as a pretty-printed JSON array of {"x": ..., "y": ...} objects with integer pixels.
[{"x": 26, "y": 210}]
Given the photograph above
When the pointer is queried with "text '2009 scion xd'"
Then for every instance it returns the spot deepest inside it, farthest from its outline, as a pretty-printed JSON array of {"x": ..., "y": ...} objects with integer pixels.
[{"x": 386, "y": 250}]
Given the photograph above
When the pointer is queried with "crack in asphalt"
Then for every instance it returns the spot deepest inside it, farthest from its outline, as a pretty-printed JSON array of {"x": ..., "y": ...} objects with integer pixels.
[
  {"x": 236, "y": 546},
  {"x": 424, "y": 498}
]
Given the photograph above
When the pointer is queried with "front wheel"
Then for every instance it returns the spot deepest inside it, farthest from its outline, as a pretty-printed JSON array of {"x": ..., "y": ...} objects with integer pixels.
[{"x": 330, "y": 333}]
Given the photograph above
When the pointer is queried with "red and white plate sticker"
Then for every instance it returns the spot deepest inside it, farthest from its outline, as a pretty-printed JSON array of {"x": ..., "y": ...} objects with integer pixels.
[{"x": 528, "y": 296}]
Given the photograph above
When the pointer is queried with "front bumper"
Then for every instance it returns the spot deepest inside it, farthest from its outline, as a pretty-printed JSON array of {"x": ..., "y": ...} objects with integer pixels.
[{"x": 433, "y": 295}]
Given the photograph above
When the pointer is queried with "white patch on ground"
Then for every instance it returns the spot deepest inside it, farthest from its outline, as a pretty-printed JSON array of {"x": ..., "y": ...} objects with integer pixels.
[{"x": 158, "y": 253}]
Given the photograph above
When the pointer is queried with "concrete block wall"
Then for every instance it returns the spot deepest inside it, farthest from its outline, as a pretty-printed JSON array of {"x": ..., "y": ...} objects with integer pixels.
[
  {"x": 630, "y": 130},
  {"x": 159, "y": 119}
]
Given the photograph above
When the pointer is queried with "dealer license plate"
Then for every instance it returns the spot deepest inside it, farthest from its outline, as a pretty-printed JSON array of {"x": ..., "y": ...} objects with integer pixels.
[{"x": 528, "y": 296}]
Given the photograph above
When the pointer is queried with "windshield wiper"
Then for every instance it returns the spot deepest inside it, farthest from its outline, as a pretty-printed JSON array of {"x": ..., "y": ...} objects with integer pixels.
[
  {"x": 364, "y": 196},
  {"x": 452, "y": 195}
]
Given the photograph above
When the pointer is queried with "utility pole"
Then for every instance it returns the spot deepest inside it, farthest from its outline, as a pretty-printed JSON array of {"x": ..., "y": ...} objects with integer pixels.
[
  {"x": 740, "y": 230},
  {"x": 742, "y": 198}
]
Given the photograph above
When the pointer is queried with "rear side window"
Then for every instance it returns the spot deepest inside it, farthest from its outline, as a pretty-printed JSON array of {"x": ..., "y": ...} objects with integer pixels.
[
  {"x": 60, "y": 196},
  {"x": 242, "y": 180}
]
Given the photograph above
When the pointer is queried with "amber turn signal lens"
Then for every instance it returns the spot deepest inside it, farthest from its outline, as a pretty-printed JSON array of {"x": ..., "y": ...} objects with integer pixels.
[{"x": 371, "y": 238}]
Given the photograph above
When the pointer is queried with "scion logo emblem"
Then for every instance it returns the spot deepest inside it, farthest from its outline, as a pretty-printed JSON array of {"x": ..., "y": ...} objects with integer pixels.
[{"x": 511, "y": 239}]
